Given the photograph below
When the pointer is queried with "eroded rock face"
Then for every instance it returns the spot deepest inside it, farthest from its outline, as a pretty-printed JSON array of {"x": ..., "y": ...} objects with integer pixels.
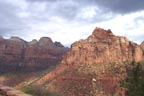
[
  {"x": 103, "y": 47},
  {"x": 100, "y": 47},
  {"x": 142, "y": 45},
  {"x": 93, "y": 66},
  {"x": 16, "y": 53}
]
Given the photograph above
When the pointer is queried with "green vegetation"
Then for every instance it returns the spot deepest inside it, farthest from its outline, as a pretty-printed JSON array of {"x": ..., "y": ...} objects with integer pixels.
[
  {"x": 38, "y": 91},
  {"x": 134, "y": 82}
]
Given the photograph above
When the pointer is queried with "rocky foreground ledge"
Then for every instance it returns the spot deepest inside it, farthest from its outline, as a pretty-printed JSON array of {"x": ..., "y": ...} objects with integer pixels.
[{"x": 7, "y": 91}]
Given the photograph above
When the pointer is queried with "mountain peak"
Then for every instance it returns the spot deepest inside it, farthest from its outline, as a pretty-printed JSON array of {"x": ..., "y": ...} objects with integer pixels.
[
  {"x": 99, "y": 32},
  {"x": 94, "y": 56},
  {"x": 103, "y": 46},
  {"x": 45, "y": 39},
  {"x": 46, "y": 42},
  {"x": 17, "y": 39},
  {"x": 58, "y": 44},
  {"x": 34, "y": 55}
]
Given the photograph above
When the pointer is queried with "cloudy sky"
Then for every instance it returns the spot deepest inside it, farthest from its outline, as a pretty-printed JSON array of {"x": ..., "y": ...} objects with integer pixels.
[{"x": 70, "y": 20}]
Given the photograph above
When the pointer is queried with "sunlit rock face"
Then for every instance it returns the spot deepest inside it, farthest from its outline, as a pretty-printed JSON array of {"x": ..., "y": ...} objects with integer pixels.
[
  {"x": 101, "y": 47},
  {"x": 16, "y": 54},
  {"x": 142, "y": 45},
  {"x": 93, "y": 66}
]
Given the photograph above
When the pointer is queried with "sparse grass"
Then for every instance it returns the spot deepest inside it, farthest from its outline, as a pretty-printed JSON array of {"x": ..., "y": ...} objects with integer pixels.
[
  {"x": 14, "y": 78},
  {"x": 38, "y": 91}
]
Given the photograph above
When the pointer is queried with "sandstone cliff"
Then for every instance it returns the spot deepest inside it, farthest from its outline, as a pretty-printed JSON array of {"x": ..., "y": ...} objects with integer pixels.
[
  {"x": 142, "y": 45},
  {"x": 94, "y": 66},
  {"x": 17, "y": 54},
  {"x": 103, "y": 47}
]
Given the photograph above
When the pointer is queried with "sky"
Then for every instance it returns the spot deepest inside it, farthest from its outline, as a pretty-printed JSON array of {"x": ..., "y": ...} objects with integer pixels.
[{"x": 68, "y": 21}]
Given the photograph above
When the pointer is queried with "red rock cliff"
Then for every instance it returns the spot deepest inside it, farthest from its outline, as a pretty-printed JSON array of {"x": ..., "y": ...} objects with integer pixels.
[
  {"x": 100, "y": 47},
  {"x": 103, "y": 47},
  {"x": 16, "y": 53},
  {"x": 142, "y": 45}
]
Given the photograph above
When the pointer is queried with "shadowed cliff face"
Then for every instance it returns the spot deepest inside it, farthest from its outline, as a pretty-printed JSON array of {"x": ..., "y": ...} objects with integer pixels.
[{"x": 17, "y": 54}]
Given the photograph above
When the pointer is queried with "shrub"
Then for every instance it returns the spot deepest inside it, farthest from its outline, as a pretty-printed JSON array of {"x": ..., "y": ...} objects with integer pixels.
[{"x": 134, "y": 82}]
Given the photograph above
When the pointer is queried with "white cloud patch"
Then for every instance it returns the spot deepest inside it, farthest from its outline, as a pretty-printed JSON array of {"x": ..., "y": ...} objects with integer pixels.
[
  {"x": 88, "y": 12},
  {"x": 125, "y": 25},
  {"x": 70, "y": 20}
]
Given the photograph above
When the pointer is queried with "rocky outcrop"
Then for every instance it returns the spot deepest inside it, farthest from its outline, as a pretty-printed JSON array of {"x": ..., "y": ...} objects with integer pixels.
[
  {"x": 142, "y": 45},
  {"x": 100, "y": 47},
  {"x": 103, "y": 47},
  {"x": 7, "y": 91},
  {"x": 16, "y": 54},
  {"x": 94, "y": 66}
]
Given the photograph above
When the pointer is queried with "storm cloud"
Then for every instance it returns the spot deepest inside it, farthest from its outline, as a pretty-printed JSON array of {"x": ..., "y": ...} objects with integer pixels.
[
  {"x": 11, "y": 23},
  {"x": 118, "y": 6},
  {"x": 102, "y": 9},
  {"x": 31, "y": 19}
]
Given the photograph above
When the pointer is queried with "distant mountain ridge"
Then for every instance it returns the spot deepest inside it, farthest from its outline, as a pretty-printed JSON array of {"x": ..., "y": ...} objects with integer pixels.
[{"x": 16, "y": 53}]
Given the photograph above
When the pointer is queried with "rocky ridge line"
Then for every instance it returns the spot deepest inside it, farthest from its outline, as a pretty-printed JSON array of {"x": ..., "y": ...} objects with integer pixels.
[
  {"x": 100, "y": 47},
  {"x": 16, "y": 53},
  {"x": 104, "y": 47}
]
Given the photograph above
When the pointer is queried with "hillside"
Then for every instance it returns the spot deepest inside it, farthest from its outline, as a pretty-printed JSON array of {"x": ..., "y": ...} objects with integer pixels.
[
  {"x": 20, "y": 60},
  {"x": 93, "y": 66}
]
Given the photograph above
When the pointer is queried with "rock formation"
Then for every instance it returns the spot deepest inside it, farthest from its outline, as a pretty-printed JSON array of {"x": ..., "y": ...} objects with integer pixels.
[
  {"x": 7, "y": 91},
  {"x": 103, "y": 47},
  {"x": 16, "y": 54},
  {"x": 94, "y": 66},
  {"x": 100, "y": 47},
  {"x": 142, "y": 45}
]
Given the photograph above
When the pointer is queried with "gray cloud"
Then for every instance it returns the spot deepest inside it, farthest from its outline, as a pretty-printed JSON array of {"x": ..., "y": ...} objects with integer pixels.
[
  {"x": 10, "y": 22},
  {"x": 37, "y": 15},
  {"x": 69, "y": 9},
  {"x": 121, "y": 6},
  {"x": 66, "y": 9},
  {"x": 118, "y": 6},
  {"x": 139, "y": 19},
  {"x": 42, "y": 0}
]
